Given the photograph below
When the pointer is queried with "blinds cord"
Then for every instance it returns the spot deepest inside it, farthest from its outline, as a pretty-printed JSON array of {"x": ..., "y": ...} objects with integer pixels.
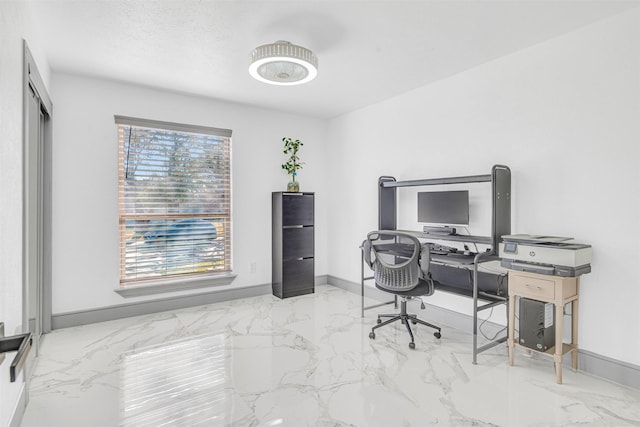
[{"x": 126, "y": 171}]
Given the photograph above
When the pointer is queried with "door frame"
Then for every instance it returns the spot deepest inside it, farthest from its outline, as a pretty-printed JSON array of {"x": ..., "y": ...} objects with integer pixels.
[{"x": 32, "y": 81}]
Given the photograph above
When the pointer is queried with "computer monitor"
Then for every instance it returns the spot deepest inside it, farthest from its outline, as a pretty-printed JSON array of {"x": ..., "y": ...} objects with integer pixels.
[{"x": 444, "y": 207}]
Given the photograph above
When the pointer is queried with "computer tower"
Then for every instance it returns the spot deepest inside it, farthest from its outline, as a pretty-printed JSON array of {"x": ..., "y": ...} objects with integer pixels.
[{"x": 537, "y": 324}]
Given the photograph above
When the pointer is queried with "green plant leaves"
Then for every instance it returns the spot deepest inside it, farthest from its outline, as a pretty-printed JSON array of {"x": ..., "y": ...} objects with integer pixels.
[{"x": 291, "y": 147}]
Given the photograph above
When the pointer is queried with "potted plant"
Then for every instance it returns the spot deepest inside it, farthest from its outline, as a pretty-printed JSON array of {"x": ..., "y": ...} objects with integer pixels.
[{"x": 293, "y": 164}]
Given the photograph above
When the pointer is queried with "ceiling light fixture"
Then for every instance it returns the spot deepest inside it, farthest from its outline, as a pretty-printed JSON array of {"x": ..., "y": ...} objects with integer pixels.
[{"x": 282, "y": 63}]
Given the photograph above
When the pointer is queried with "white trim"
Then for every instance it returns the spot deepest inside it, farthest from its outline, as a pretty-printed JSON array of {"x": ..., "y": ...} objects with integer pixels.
[
  {"x": 103, "y": 314},
  {"x": 20, "y": 408},
  {"x": 153, "y": 287},
  {"x": 591, "y": 363},
  {"x": 178, "y": 127}
]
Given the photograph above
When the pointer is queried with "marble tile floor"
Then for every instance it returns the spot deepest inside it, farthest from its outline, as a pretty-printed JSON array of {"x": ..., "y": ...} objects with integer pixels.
[{"x": 303, "y": 361}]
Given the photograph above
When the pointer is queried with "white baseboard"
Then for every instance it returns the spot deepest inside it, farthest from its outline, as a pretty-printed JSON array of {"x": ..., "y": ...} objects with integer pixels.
[
  {"x": 595, "y": 364},
  {"x": 18, "y": 411},
  {"x": 589, "y": 362},
  {"x": 85, "y": 317}
]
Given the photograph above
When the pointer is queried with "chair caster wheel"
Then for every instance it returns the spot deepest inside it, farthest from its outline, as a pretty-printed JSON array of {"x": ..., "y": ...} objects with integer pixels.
[
  {"x": 372, "y": 335},
  {"x": 437, "y": 335},
  {"x": 379, "y": 321},
  {"x": 412, "y": 346}
]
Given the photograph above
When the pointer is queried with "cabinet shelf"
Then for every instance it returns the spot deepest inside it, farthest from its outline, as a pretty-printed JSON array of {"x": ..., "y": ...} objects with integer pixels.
[{"x": 293, "y": 269}]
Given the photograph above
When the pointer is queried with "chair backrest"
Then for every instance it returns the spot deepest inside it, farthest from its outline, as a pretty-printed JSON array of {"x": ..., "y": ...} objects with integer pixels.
[{"x": 397, "y": 259}]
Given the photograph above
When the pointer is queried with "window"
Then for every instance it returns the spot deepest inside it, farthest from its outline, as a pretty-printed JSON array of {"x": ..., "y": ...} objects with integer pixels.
[{"x": 175, "y": 200}]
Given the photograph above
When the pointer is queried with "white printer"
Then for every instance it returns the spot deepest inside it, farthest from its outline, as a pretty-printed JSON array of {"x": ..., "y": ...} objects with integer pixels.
[{"x": 550, "y": 255}]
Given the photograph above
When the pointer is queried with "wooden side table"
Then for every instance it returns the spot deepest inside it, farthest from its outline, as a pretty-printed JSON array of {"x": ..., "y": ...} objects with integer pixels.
[{"x": 553, "y": 289}]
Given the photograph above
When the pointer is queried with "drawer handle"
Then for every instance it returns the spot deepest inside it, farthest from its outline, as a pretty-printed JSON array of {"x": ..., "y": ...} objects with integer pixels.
[{"x": 533, "y": 286}]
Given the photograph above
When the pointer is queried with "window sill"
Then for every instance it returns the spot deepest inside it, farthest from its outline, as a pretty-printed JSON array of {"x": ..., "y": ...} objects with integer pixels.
[{"x": 174, "y": 285}]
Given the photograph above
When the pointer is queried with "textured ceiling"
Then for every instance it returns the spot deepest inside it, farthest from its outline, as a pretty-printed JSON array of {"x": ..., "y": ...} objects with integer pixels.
[{"x": 368, "y": 51}]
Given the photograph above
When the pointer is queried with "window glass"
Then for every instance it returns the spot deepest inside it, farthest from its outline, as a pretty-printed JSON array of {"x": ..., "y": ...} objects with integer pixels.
[{"x": 175, "y": 200}]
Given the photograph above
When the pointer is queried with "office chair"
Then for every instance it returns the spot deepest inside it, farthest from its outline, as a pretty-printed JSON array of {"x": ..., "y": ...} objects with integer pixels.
[{"x": 401, "y": 266}]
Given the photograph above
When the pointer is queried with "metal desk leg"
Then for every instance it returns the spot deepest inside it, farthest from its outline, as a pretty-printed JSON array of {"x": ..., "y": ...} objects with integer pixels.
[{"x": 475, "y": 311}]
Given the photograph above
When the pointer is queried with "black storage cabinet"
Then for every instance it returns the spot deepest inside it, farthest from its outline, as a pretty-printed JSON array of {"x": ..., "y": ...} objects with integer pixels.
[{"x": 292, "y": 243}]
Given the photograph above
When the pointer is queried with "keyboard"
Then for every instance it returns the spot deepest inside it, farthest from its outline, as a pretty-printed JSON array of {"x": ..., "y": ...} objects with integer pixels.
[
  {"x": 460, "y": 255},
  {"x": 453, "y": 257},
  {"x": 438, "y": 249}
]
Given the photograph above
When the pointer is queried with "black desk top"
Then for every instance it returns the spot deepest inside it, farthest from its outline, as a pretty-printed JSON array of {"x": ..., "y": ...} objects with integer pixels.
[
  {"x": 452, "y": 258},
  {"x": 453, "y": 272}
]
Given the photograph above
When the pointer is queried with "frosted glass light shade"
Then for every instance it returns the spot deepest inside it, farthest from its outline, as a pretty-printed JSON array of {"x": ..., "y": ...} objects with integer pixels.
[{"x": 282, "y": 63}]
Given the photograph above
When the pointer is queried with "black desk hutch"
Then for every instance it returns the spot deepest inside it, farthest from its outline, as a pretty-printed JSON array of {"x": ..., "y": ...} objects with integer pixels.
[{"x": 451, "y": 281}]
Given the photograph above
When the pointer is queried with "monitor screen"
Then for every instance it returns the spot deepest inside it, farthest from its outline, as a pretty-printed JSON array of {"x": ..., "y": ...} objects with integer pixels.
[{"x": 444, "y": 207}]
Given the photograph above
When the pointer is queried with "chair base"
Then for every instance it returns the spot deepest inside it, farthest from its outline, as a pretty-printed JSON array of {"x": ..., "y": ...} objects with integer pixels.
[{"x": 404, "y": 317}]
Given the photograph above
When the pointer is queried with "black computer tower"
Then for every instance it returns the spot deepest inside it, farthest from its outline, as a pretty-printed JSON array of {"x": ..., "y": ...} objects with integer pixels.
[{"x": 537, "y": 324}]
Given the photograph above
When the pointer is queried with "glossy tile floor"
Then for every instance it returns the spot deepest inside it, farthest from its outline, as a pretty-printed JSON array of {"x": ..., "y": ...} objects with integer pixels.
[{"x": 304, "y": 361}]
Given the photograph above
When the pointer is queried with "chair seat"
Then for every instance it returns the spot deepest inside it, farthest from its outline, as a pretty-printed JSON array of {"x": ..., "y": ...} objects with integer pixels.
[{"x": 421, "y": 289}]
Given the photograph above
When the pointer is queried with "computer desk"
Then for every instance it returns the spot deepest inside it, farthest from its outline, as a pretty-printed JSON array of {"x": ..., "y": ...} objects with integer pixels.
[
  {"x": 500, "y": 182},
  {"x": 460, "y": 276}
]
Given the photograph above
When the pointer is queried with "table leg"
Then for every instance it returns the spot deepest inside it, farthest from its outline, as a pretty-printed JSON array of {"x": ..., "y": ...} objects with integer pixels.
[
  {"x": 557, "y": 355},
  {"x": 512, "y": 321},
  {"x": 574, "y": 334}
]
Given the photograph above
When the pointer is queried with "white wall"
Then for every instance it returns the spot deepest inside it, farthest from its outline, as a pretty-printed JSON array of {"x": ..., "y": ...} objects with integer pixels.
[
  {"x": 563, "y": 115},
  {"x": 85, "y": 182},
  {"x": 14, "y": 27}
]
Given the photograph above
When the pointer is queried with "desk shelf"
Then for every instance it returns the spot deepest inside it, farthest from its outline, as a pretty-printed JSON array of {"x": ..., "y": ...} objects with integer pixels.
[
  {"x": 439, "y": 181},
  {"x": 486, "y": 240}
]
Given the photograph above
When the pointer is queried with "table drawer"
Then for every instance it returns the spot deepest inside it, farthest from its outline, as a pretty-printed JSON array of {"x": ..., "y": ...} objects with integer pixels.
[{"x": 532, "y": 287}]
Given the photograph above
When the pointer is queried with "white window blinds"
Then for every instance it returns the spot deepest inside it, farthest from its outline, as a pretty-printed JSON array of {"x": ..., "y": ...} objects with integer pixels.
[{"x": 175, "y": 200}]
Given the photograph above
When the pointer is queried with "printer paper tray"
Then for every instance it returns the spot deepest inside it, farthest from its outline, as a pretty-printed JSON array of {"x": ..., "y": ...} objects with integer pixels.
[{"x": 549, "y": 270}]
